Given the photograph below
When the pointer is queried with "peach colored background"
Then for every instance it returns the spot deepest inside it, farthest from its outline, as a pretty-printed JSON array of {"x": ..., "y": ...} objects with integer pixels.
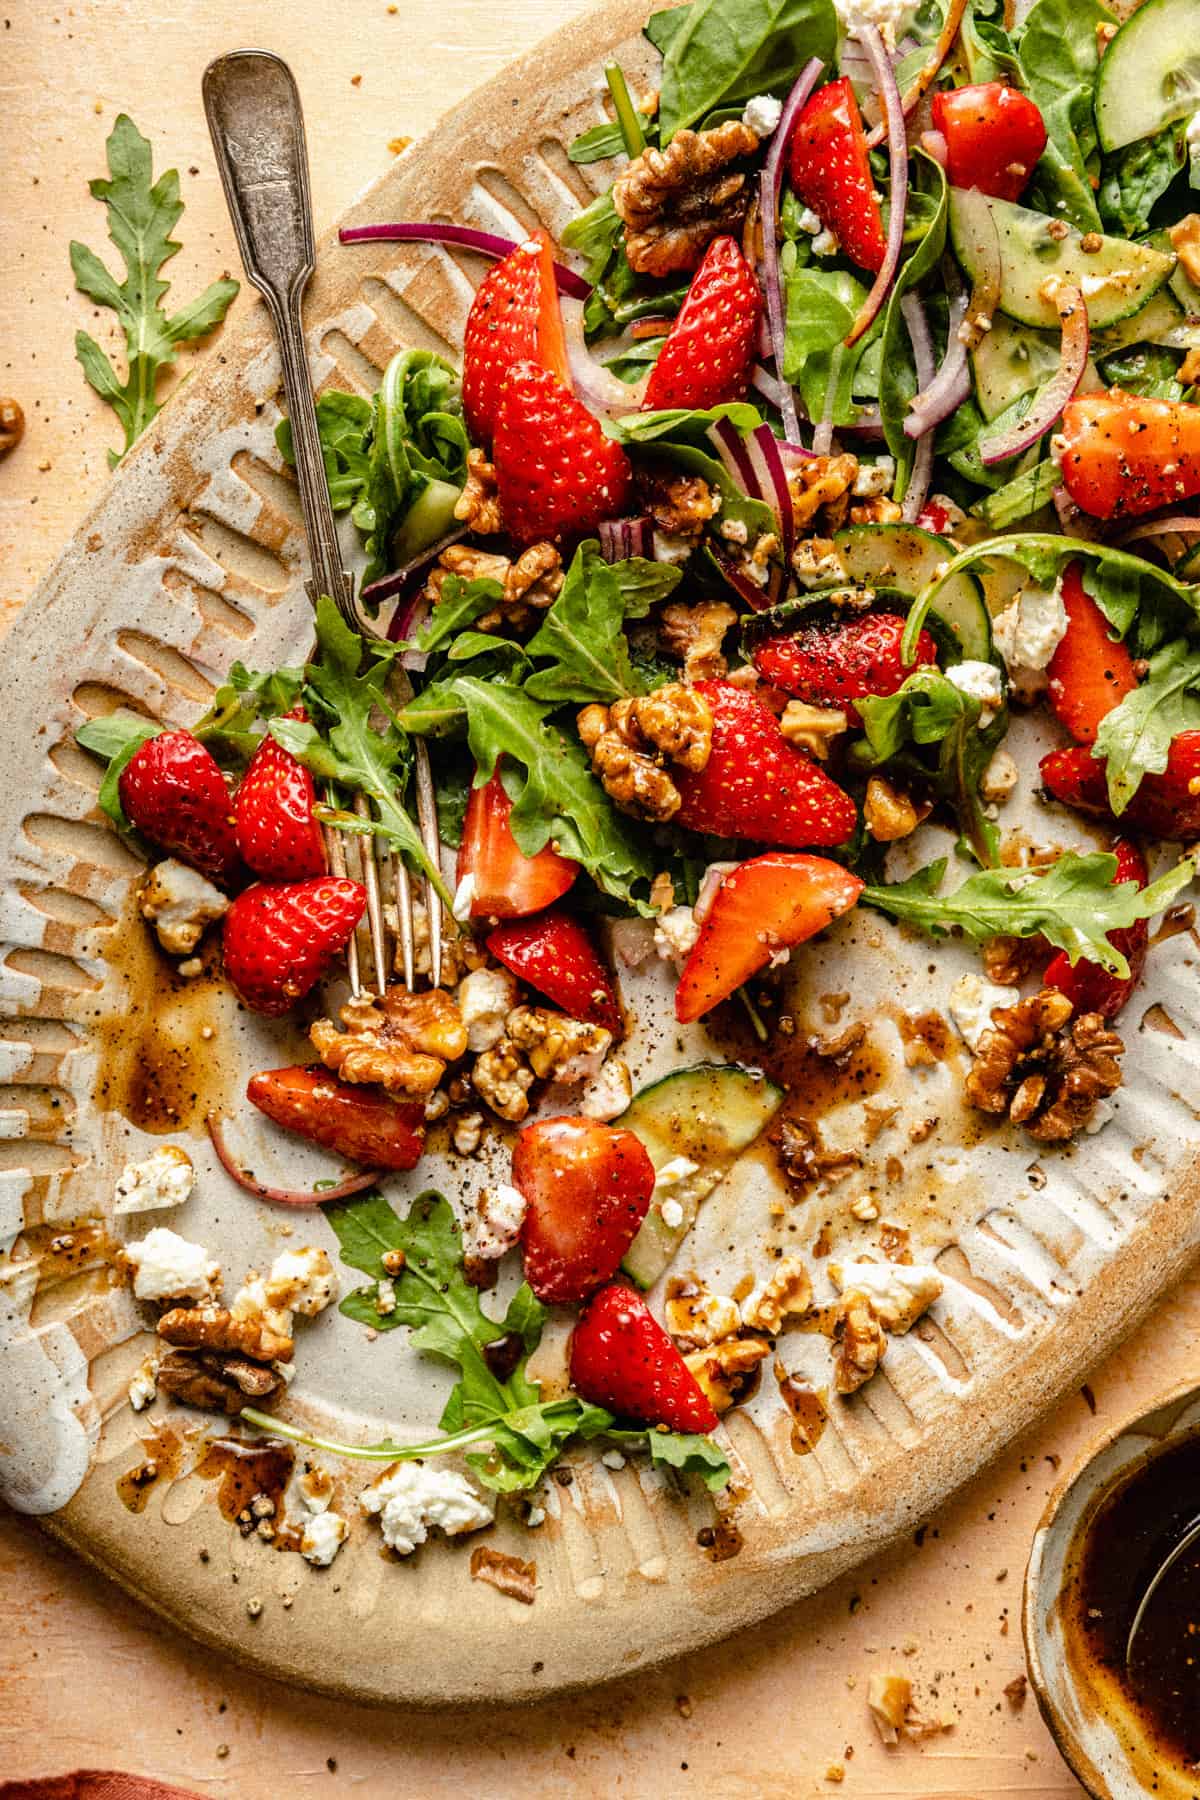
[{"x": 86, "y": 1678}]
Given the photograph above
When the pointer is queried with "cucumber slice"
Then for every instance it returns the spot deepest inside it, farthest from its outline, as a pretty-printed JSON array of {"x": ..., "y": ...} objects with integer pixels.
[
  {"x": 1012, "y": 359},
  {"x": 429, "y": 518},
  {"x": 1116, "y": 279},
  {"x": 907, "y": 558},
  {"x": 708, "y": 1114},
  {"x": 1150, "y": 73}
]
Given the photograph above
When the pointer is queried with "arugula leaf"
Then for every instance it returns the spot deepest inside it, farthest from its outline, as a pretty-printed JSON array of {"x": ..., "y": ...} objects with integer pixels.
[
  {"x": 683, "y": 425},
  {"x": 603, "y": 141},
  {"x": 583, "y": 631},
  {"x": 345, "y": 423},
  {"x": 443, "y": 1311},
  {"x": 1060, "y": 53},
  {"x": 1135, "y": 737},
  {"x": 343, "y": 689},
  {"x": 117, "y": 737},
  {"x": 459, "y": 604},
  {"x": 559, "y": 798},
  {"x": 987, "y": 48},
  {"x": 142, "y": 213},
  {"x": 240, "y": 702},
  {"x": 1075, "y": 903},
  {"x": 726, "y": 51}
]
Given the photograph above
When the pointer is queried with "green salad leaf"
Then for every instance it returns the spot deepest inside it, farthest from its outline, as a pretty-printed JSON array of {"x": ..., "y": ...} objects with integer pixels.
[
  {"x": 433, "y": 1298},
  {"x": 1137, "y": 176},
  {"x": 897, "y": 371},
  {"x": 418, "y": 454},
  {"x": 1059, "y": 51},
  {"x": 345, "y": 424},
  {"x": 117, "y": 737},
  {"x": 1135, "y": 737},
  {"x": 1075, "y": 904},
  {"x": 459, "y": 604},
  {"x": 726, "y": 51},
  {"x": 582, "y": 636},
  {"x": 142, "y": 214}
]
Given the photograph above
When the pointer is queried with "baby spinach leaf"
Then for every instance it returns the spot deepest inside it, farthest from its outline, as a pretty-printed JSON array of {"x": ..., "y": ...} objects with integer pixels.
[
  {"x": 142, "y": 213},
  {"x": 117, "y": 737},
  {"x": 683, "y": 425},
  {"x": 726, "y": 51},
  {"x": 1135, "y": 737},
  {"x": 1138, "y": 175},
  {"x": 1024, "y": 494},
  {"x": 1060, "y": 53},
  {"x": 1076, "y": 903},
  {"x": 603, "y": 141}
]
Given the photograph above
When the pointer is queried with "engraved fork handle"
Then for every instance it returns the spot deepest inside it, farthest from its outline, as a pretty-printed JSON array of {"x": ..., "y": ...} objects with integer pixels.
[{"x": 257, "y": 128}]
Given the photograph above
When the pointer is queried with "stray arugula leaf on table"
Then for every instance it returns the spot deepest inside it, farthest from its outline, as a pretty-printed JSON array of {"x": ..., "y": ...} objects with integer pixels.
[
  {"x": 1075, "y": 903},
  {"x": 444, "y": 1313},
  {"x": 142, "y": 213},
  {"x": 1135, "y": 737}
]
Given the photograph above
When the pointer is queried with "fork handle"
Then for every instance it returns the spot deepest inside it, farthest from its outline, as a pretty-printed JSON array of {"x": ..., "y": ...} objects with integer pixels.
[{"x": 257, "y": 129}]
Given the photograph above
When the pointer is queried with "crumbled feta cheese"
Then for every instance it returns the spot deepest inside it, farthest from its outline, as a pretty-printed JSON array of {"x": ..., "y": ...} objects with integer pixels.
[
  {"x": 179, "y": 903},
  {"x": 143, "y": 1387},
  {"x": 672, "y": 1214},
  {"x": 535, "y": 1516},
  {"x": 697, "y": 1317},
  {"x": 971, "y": 1001},
  {"x": 413, "y": 1499},
  {"x": 494, "y": 1226},
  {"x": 981, "y": 681},
  {"x": 610, "y": 1093},
  {"x": 809, "y": 221},
  {"x": 613, "y": 1459},
  {"x": 825, "y": 244},
  {"x": 898, "y": 1292},
  {"x": 891, "y": 18},
  {"x": 305, "y": 1281},
  {"x": 675, "y": 933},
  {"x": 1028, "y": 632},
  {"x": 670, "y": 548},
  {"x": 815, "y": 567},
  {"x": 1102, "y": 1113},
  {"x": 999, "y": 778},
  {"x": 322, "y": 1537},
  {"x": 734, "y": 531},
  {"x": 464, "y": 899},
  {"x": 167, "y": 1267},
  {"x": 875, "y": 478},
  {"x": 1193, "y": 129},
  {"x": 485, "y": 999},
  {"x": 165, "y": 1178},
  {"x": 762, "y": 114},
  {"x": 675, "y": 1171},
  {"x": 253, "y": 1302},
  {"x": 385, "y": 1298}
]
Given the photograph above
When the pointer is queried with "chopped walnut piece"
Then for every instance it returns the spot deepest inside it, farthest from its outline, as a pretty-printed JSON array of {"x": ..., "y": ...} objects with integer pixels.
[
  {"x": 819, "y": 482},
  {"x": 680, "y": 505},
  {"x": 215, "y": 1382},
  {"x": 724, "y": 1371},
  {"x": 696, "y": 1317},
  {"x": 402, "y": 1040},
  {"x": 812, "y": 728},
  {"x": 694, "y": 635},
  {"x": 529, "y": 584},
  {"x": 879, "y": 511},
  {"x": 503, "y": 1078},
  {"x": 673, "y": 202},
  {"x": 216, "y": 1328},
  {"x": 889, "y": 813},
  {"x": 630, "y": 741},
  {"x": 478, "y": 506},
  {"x": 1185, "y": 240},
  {"x": 1016, "y": 1690},
  {"x": 1007, "y": 960},
  {"x": 786, "y": 1294},
  {"x": 806, "y": 1160},
  {"x": 509, "y": 1575},
  {"x": 559, "y": 1048},
  {"x": 889, "y": 1698},
  {"x": 859, "y": 1343},
  {"x": 1044, "y": 1069}
]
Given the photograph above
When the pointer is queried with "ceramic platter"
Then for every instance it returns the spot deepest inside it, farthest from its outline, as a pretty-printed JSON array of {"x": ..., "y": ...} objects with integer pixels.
[{"x": 193, "y": 559}]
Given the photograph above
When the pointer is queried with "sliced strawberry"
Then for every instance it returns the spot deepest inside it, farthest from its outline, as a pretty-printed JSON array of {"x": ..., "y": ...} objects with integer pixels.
[
  {"x": 555, "y": 955},
  {"x": 1124, "y": 454},
  {"x": 587, "y": 1188},
  {"x": 515, "y": 317},
  {"x": 711, "y": 347},
  {"x": 831, "y": 172},
  {"x": 762, "y": 906},
  {"x": 1089, "y": 673},
  {"x": 835, "y": 663},
  {"x": 557, "y": 473},
  {"x": 1089, "y": 987},
  {"x": 994, "y": 136},
  {"x": 755, "y": 785},
  {"x": 273, "y": 808},
  {"x": 1166, "y": 805},
  {"x": 506, "y": 884},
  {"x": 361, "y": 1123},
  {"x": 279, "y": 941},
  {"x": 174, "y": 794},
  {"x": 621, "y": 1358}
]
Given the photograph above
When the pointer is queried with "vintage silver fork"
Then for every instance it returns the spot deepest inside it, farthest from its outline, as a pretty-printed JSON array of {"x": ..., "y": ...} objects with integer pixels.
[{"x": 257, "y": 128}]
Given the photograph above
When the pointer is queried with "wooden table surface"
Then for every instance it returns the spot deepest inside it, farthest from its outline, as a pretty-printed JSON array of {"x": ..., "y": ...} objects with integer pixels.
[{"x": 87, "y": 1679}]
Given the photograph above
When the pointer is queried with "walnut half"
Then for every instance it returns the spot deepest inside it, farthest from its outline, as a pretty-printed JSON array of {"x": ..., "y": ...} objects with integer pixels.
[
  {"x": 215, "y": 1382},
  {"x": 631, "y": 741},
  {"x": 673, "y": 202},
  {"x": 1044, "y": 1069}
]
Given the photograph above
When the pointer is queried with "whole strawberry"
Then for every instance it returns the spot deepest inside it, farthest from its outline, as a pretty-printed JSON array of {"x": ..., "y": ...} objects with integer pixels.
[
  {"x": 279, "y": 941},
  {"x": 710, "y": 348},
  {"x": 175, "y": 795},
  {"x": 558, "y": 474},
  {"x": 273, "y": 808}
]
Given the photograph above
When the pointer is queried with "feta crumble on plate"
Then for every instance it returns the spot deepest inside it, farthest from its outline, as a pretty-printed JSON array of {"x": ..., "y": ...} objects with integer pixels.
[{"x": 415, "y": 1498}]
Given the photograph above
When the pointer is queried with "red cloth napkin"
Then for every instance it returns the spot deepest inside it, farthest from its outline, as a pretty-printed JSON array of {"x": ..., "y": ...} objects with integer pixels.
[{"x": 93, "y": 1784}]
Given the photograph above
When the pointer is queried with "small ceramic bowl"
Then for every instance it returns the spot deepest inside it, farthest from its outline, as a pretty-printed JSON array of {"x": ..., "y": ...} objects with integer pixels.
[{"x": 1092, "y": 1723}]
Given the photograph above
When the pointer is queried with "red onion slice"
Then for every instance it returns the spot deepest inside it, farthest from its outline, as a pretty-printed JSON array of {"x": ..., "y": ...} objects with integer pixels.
[
  {"x": 1171, "y": 523},
  {"x": 601, "y": 391},
  {"x": 622, "y": 538},
  {"x": 353, "y": 1184},
  {"x": 1050, "y": 399},
  {"x": 766, "y": 456},
  {"x": 928, "y": 75},
  {"x": 922, "y": 469},
  {"x": 770, "y": 183},
  {"x": 466, "y": 237},
  {"x": 726, "y": 440},
  {"x": 388, "y": 586},
  {"x": 1074, "y": 521},
  {"x": 893, "y": 116},
  {"x": 952, "y": 383},
  {"x": 758, "y": 599}
]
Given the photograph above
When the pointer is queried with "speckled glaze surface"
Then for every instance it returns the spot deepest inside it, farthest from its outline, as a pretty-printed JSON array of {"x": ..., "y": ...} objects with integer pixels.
[
  {"x": 194, "y": 559},
  {"x": 1096, "y": 1730}
]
